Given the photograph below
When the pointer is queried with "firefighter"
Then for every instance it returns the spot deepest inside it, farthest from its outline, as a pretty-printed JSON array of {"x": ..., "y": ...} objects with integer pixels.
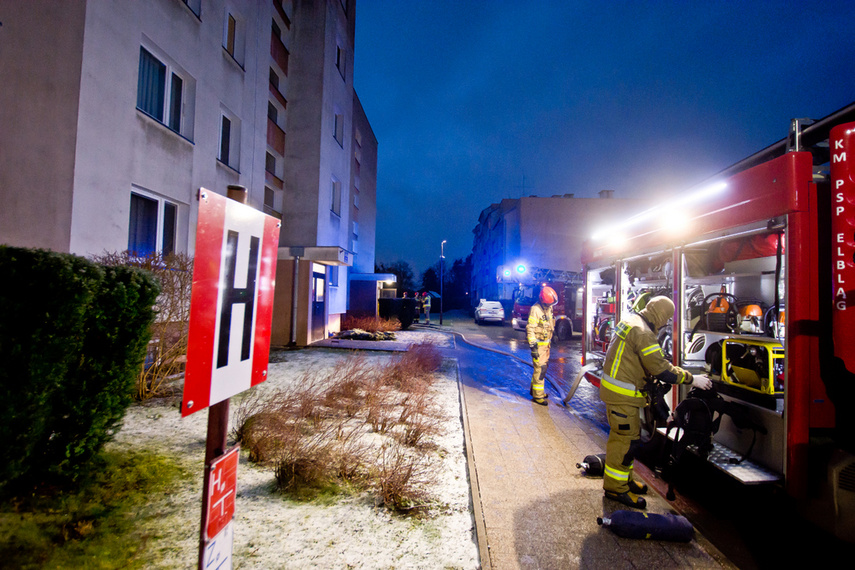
[
  {"x": 426, "y": 306},
  {"x": 541, "y": 324},
  {"x": 633, "y": 355}
]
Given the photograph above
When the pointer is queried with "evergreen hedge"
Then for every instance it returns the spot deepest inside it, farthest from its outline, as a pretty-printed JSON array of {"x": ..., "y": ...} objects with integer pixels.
[{"x": 72, "y": 339}]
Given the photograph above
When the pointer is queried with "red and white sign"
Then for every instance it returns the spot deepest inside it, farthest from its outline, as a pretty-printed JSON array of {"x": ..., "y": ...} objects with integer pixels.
[
  {"x": 842, "y": 143},
  {"x": 231, "y": 305},
  {"x": 222, "y": 486}
]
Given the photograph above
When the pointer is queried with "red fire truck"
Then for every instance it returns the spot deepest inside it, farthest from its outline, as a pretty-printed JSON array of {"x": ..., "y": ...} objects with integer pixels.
[
  {"x": 568, "y": 309},
  {"x": 760, "y": 263}
]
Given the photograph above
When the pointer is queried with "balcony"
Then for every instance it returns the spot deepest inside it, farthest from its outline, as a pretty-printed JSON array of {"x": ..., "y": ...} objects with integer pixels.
[
  {"x": 275, "y": 137},
  {"x": 279, "y": 53},
  {"x": 274, "y": 91}
]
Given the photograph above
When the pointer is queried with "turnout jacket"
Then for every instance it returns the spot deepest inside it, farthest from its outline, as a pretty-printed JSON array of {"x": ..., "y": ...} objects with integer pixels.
[
  {"x": 633, "y": 355},
  {"x": 540, "y": 324}
]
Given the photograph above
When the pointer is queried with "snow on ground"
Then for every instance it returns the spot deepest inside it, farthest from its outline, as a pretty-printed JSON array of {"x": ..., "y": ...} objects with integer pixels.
[{"x": 273, "y": 532}]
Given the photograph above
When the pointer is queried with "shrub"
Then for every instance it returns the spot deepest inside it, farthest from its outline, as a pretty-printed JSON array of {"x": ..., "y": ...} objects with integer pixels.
[
  {"x": 402, "y": 478},
  {"x": 370, "y": 324},
  {"x": 312, "y": 432},
  {"x": 72, "y": 337}
]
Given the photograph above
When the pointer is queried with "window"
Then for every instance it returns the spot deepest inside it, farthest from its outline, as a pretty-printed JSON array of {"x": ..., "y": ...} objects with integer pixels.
[
  {"x": 151, "y": 225},
  {"x": 229, "y": 139},
  {"x": 338, "y": 128},
  {"x": 164, "y": 93},
  {"x": 194, "y": 5},
  {"x": 335, "y": 197},
  {"x": 233, "y": 36},
  {"x": 274, "y": 78},
  {"x": 340, "y": 60},
  {"x": 269, "y": 198},
  {"x": 272, "y": 112},
  {"x": 333, "y": 277},
  {"x": 270, "y": 164}
]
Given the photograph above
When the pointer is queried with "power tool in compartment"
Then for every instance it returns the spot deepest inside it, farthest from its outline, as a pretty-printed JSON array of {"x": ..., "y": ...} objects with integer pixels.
[{"x": 751, "y": 364}]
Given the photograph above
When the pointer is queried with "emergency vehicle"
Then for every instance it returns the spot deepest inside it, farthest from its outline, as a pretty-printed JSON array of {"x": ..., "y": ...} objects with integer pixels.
[
  {"x": 760, "y": 263},
  {"x": 530, "y": 280}
]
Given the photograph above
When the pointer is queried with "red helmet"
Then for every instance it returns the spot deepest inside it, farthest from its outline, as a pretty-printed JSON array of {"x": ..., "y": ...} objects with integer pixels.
[{"x": 548, "y": 296}]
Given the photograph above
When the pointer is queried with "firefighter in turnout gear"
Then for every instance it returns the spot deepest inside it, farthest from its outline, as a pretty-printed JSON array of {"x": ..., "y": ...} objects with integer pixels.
[
  {"x": 541, "y": 324},
  {"x": 633, "y": 356}
]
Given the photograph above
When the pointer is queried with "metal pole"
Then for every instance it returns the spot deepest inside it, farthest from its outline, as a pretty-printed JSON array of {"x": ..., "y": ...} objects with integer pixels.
[
  {"x": 293, "y": 341},
  {"x": 441, "y": 278}
]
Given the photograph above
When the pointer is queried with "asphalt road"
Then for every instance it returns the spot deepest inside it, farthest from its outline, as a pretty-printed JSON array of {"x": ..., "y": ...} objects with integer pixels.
[{"x": 755, "y": 527}]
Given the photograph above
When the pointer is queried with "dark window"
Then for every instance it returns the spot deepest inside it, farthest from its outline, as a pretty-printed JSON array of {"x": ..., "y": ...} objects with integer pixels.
[
  {"x": 175, "y": 103},
  {"x": 142, "y": 233},
  {"x": 170, "y": 215},
  {"x": 152, "y": 85},
  {"x": 225, "y": 140}
]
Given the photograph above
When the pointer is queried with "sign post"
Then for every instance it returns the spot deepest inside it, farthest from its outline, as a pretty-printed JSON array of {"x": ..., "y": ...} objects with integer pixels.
[{"x": 231, "y": 309}]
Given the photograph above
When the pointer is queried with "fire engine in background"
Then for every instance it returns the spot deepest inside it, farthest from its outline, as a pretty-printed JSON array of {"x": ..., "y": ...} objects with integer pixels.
[
  {"x": 530, "y": 280},
  {"x": 760, "y": 263}
]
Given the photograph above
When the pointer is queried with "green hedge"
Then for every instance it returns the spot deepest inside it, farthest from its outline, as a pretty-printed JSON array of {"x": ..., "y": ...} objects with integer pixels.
[{"x": 72, "y": 340}]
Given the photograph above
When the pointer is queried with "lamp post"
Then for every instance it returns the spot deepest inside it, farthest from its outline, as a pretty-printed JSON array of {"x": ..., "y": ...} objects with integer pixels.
[{"x": 441, "y": 279}]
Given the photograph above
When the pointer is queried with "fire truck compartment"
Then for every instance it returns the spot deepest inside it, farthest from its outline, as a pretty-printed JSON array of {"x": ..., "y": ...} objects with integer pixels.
[{"x": 728, "y": 461}]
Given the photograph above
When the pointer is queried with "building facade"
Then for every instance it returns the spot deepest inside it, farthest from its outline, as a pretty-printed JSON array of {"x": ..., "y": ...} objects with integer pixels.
[
  {"x": 114, "y": 114},
  {"x": 539, "y": 232}
]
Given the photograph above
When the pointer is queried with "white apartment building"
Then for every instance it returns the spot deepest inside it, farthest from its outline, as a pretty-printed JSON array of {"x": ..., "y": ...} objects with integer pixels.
[
  {"x": 114, "y": 114},
  {"x": 537, "y": 232}
]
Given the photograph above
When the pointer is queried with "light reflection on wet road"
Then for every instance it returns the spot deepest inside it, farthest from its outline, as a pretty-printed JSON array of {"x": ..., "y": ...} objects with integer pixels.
[{"x": 564, "y": 363}]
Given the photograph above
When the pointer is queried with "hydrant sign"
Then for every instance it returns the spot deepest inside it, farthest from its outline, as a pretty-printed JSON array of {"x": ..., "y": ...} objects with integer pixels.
[{"x": 231, "y": 304}]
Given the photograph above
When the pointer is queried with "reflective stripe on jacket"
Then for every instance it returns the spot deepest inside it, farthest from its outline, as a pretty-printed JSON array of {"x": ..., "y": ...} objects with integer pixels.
[{"x": 634, "y": 354}]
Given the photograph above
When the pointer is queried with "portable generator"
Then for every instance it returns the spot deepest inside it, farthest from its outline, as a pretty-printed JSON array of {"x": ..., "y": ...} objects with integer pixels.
[{"x": 752, "y": 364}]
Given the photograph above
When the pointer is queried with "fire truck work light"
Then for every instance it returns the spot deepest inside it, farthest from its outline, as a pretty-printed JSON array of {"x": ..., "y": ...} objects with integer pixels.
[
  {"x": 667, "y": 210},
  {"x": 520, "y": 268}
]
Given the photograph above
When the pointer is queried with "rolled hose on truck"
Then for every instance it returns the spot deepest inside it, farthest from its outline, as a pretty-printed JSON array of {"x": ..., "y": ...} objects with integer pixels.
[{"x": 648, "y": 526}]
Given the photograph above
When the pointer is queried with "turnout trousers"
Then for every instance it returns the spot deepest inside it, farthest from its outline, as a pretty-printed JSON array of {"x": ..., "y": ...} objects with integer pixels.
[
  {"x": 539, "y": 360},
  {"x": 624, "y": 438}
]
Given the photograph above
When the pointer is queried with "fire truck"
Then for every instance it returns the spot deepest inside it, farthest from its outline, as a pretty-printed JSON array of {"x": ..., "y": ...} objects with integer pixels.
[
  {"x": 760, "y": 263},
  {"x": 530, "y": 280}
]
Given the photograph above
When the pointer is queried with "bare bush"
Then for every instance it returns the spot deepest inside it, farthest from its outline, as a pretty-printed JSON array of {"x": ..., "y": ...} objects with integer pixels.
[
  {"x": 313, "y": 432},
  {"x": 419, "y": 419},
  {"x": 370, "y": 324},
  {"x": 167, "y": 349},
  {"x": 413, "y": 370},
  {"x": 402, "y": 478}
]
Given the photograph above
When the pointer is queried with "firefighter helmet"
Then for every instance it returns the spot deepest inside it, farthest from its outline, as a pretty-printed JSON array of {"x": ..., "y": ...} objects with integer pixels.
[{"x": 548, "y": 296}]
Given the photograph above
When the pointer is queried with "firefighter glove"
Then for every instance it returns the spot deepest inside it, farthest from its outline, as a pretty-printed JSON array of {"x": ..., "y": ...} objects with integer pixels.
[{"x": 701, "y": 382}]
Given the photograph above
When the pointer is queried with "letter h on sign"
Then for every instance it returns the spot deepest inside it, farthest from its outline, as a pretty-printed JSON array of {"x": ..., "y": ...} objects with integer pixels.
[{"x": 233, "y": 295}]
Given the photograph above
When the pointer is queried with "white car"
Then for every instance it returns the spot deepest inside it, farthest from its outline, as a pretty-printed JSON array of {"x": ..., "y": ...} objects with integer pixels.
[{"x": 489, "y": 311}]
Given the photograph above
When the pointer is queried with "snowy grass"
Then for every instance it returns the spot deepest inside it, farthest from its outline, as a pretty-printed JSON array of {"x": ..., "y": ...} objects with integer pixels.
[{"x": 274, "y": 532}]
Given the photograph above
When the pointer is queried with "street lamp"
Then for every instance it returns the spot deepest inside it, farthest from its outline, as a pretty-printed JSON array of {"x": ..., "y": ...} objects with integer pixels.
[{"x": 441, "y": 294}]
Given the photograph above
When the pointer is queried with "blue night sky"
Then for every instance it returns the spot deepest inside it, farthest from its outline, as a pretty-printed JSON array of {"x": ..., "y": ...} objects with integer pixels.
[{"x": 476, "y": 101}]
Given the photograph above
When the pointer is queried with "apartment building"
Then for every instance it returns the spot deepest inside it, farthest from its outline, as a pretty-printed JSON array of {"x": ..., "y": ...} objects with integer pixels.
[
  {"x": 537, "y": 232},
  {"x": 114, "y": 114}
]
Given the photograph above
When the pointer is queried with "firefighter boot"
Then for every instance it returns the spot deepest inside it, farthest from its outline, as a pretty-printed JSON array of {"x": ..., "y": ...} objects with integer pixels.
[
  {"x": 637, "y": 488},
  {"x": 539, "y": 399},
  {"x": 629, "y": 499}
]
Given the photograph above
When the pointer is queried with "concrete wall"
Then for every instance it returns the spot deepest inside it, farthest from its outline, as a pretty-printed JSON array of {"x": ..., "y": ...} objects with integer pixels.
[{"x": 40, "y": 63}]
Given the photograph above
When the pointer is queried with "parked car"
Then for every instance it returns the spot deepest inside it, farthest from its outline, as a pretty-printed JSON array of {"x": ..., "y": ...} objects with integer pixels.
[{"x": 489, "y": 311}]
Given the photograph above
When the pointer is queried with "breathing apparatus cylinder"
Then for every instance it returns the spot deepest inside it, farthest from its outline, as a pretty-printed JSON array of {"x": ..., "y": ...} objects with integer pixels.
[
  {"x": 594, "y": 465},
  {"x": 649, "y": 526}
]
